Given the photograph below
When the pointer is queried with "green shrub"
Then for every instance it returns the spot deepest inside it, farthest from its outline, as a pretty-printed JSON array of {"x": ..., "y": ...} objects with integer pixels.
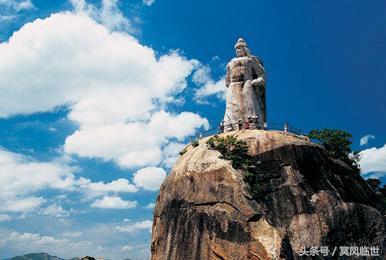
[
  {"x": 195, "y": 143},
  {"x": 231, "y": 149},
  {"x": 236, "y": 151},
  {"x": 183, "y": 151},
  {"x": 337, "y": 143}
]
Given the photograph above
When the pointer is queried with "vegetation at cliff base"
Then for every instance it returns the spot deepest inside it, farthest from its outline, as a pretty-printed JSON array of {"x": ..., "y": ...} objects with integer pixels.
[
  {"x": 337, "y": 143},
  {"x": 375, "y": 184}
]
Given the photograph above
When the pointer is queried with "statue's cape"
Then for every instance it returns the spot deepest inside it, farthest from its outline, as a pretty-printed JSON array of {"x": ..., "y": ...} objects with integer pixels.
[
  {"x": 252, "y": 57},
  {"x": 257, "y": 59}
]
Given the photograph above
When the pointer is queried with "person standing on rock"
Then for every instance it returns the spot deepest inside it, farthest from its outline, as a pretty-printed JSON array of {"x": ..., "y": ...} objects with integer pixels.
[{"x": 245, "y": 80}]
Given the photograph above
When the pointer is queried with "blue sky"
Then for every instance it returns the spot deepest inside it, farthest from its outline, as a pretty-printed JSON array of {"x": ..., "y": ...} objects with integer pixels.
[{"x": 98, "y": 98}]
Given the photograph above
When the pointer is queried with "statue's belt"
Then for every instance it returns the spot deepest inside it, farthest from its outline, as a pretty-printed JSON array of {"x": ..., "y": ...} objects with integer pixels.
[
  {"x": 237, "y": 78},
  {"x": 240, "y": 81},
  {"x": 237, "y": 81}
]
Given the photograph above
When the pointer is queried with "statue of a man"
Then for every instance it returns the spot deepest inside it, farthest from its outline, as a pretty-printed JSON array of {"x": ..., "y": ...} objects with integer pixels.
[{"x": 245, "y": 80}]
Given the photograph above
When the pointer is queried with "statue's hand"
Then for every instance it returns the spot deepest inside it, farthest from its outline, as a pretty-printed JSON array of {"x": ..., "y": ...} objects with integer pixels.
[{"x": 259, "y": 82}]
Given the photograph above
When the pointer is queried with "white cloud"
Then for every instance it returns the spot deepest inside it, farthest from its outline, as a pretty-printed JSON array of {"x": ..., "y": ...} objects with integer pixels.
[
  {"x": 127, "y": 248},
  {"x": 28, "y": 238},
  {"x": 34, "y": 242},
  {"x": 135, "y": 226},
  {"x": 108, "y": 14},
  {"x": 4, "y": 218},
  {"x": 72, "y": 234},
  {"x": 95, "y": 189},
  {"x": 113, "y": 202},
  {"x": 100, "y": 239},
  {"x": 17, "y": 5},
  {"x": 112, "y": 17},
  {"x": 201, "y": 75},
  {"x": 69, "y": 58},
  {"x": 82, "y": 6},
  {"x": 373, "y": 160},
  {"x": 21, "y": 177},
  {"x": 55, "y": 211},
  {"x": 365, "y": 139},
  {"x": 171, "y": 153},
  {"x": 212, "y": 88},
  {"x": 149, "y": 178},
  {"x": 6, "y": 18},
  {"x": 20, "y": 204},
  {"x": 150, "y": 205},
  {"x": 148, "y": 2},
  {"x": 114, "y": 86},
  {"x": 208, "y": 86},
  {"x": 134, "y": 144}
]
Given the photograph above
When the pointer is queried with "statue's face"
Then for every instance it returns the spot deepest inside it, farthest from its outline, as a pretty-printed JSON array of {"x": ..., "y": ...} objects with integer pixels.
[{"x": 240, "y": 51}]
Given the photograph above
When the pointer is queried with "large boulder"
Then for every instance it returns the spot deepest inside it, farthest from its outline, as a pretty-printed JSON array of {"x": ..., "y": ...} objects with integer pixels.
[{"x": 304, "y": 198}]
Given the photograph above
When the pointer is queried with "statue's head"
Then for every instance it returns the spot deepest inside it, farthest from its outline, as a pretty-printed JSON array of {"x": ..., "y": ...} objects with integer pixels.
[{"x": 241, "y": 48}]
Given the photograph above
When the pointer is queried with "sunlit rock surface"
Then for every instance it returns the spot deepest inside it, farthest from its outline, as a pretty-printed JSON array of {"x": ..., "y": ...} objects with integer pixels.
[{"x": 304, "y": 198}]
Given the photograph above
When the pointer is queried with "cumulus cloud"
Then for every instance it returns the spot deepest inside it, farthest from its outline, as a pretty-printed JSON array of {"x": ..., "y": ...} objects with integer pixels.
[
  {"x": 95, "y": 189},
  {"x": 365, "y": 139},
  {"x": 72, "y": 234},
  {"x": 27, "y": 238},
  {"x": 60, "y": 64},
  {"x": 208, "y": 86},
  {"x": 7, "y": 18},
  {"x": 149, "y": 178},
  {"x": 33, "y": 242},
  {"x": 112, "y": 17},
  {"x": 113, "y": 202},
  {"x": 134, "y": 144},
  {"x": 117, "y": 91},
  {"x": 55, "y": 211},
  {"x": 97, "y": 239},
  {"x": 113, "y": 85},
  {"x": 171, "y": 153},
  {"x": 131, "y": 227},
  {"x": 16, "y": 5},
  {"x": 373, "y": 160},
  {"x": 148, "y": 2},
  {"x": 21, "y": 204},
  {"x": 22, "y": 176},
  {"x": 4, "y": 218},
  {"x": 150, "y": 205},
  {"x": 108, "y": 14},
  {"x": 81, "y": 6},
  {"x": 127, "y": 248}
]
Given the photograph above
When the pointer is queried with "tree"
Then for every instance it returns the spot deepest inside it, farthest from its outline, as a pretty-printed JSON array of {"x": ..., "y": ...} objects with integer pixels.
[
  {"x": 337, "y": 143},
  {"x": 374, "y": 183}
]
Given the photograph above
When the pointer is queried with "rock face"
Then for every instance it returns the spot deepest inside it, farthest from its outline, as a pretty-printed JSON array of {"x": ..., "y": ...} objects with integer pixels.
[{"x": 205, "y": 209}]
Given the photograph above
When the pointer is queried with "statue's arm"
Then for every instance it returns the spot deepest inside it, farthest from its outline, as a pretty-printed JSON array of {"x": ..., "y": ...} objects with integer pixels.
[
  {"x": 258, "y": 70},
  {"x": 227, "y": 77}
]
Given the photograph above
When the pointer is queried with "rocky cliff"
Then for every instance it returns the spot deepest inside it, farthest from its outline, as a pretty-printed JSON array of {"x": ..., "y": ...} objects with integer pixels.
[{"x": 302, "y": 198}]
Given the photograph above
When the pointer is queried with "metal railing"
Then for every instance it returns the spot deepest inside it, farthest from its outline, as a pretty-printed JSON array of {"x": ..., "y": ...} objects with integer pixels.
[{"x": 286, "y": 127}]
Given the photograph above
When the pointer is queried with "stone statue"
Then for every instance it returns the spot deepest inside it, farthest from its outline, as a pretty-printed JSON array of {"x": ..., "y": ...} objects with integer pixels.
[{"x": 245, "y": 102}]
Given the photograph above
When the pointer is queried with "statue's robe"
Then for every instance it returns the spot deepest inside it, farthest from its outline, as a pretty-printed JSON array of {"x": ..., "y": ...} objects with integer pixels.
[{"x": 243, "y": 99}]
